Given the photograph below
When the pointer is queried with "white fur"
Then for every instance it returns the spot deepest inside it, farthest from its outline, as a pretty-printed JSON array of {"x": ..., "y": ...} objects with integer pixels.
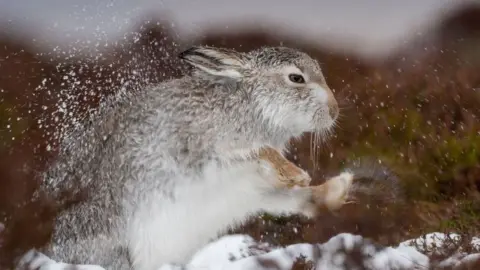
[
  {"x": 38, "y": 261},
  {"x": 319, "y": 92},
  {"x": 223, "y": 197},
  {"x": 231, "y": 73},
  {"x": 287, "y": 117}
]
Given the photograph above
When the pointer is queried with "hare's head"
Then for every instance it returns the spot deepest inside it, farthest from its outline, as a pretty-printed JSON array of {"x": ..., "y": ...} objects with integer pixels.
[{"x": 286, "y": 86}]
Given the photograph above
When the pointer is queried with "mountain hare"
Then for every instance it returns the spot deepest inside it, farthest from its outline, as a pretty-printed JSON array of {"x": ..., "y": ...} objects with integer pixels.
[{"x": 171, "y": 168}]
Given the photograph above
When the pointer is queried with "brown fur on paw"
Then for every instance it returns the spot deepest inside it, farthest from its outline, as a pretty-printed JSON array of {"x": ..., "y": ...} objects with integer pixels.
[{"x": 289, "y": 175}]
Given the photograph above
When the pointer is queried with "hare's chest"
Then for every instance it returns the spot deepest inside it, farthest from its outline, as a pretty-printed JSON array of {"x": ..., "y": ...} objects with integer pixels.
[{"x": 198, "y": 210}]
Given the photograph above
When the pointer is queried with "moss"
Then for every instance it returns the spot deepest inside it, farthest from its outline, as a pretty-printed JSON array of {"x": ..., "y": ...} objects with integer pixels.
[
  {"x": 465, "y": 219},
  {"x": 425, "y": 162}
]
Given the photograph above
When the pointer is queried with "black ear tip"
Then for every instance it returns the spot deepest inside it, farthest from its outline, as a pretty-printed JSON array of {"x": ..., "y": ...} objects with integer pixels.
[
  {"x": 185, "y": 53},
  {"x": 182, "y": 54}
]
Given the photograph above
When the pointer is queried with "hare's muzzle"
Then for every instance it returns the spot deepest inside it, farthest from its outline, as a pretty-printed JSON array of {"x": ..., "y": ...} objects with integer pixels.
[
  {"x": 325, "y": 96},
  {"x": 333, "y": 109}
]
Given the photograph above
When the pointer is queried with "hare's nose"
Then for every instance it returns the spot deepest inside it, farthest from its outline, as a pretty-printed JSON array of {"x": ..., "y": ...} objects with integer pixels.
[{"x": 333, "y": 109}]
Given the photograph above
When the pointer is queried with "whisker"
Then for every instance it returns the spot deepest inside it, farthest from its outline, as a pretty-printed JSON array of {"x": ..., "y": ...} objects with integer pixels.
[
  {"x": 317, "y": 139},
  {"x": 315, "y": 149},
  {"x": 336, "y": 125},
  {"x": 312, "y": 155}
]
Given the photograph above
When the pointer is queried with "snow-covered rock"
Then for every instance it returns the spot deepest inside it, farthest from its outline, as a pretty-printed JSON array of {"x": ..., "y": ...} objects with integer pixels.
[
  {"x": 433, "y": 243},
  {"x": 342, "y": 252}
]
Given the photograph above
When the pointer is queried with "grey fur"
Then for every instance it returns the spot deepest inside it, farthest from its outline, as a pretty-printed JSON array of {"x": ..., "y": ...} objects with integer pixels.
[{"x": 233, "y": 104}]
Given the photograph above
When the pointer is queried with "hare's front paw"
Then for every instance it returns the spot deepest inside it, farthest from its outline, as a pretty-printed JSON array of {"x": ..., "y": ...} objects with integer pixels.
[
  {"x": 293, "y": 176},
  {"x": 287, "y": 176},
  {"x": 285, "y": 172},
  {"x": 333, "y": 194}
]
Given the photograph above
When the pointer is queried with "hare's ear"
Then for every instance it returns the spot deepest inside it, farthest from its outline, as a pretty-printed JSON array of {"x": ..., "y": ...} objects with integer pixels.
[{"x": 216, "y": 61}]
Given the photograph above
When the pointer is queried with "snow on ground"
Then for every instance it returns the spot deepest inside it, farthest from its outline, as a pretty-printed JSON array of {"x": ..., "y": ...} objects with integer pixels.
[
  {"x": 342, "y": 252},
  {"x": 433, "y": 243},
  {"x": 476, "y": 243}
]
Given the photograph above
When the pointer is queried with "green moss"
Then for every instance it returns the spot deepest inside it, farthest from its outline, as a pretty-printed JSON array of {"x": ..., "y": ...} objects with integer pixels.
[
  {"x": 465, "y": 219},
  {"x": 424, "y": 162}
]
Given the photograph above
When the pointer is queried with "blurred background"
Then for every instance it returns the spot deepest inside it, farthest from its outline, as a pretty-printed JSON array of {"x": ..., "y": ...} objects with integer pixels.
[{"x": 405, "y": 72}]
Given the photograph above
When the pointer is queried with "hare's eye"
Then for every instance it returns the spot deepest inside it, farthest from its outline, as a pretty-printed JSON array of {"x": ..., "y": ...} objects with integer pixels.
[{"x": 296, "y": 78}]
